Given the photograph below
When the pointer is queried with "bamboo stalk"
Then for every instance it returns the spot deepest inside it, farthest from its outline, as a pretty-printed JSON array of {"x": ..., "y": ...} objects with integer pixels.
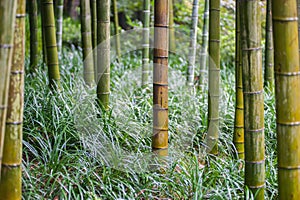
[
  {"x": 86, "y": 38},
  {"x": 34, "y": 56},
  {"x": 253, "y": 97},
  {"x": 193, "y": 45},
  {"x": 203, "y": 53},
  {"x": 7, "y": 21},
  {"x": 59, "y": 24},
  {"x": 214, "y": 74},
  {"x": 287, "y": 93},
  {"x": 103, "y": 52},
  {"x": 146, "y": 34},
  {"x": 11, "y": 180},
  {"x": 172, "y": 40},
  {"x": 93, "y": 4},
  {"x": 160, "y": 78},
  {"x": 238, "y": 135},
  {"x": 116, "y": 26},
  {"x": 43, "y": 36},
  {"x": 50, "y": 42},
  {"x": 269, "y": 54}
]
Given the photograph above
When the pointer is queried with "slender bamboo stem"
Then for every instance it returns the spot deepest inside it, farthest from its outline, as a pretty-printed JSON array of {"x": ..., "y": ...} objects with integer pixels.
[
  {"x": 93, "y": 4},
  {"x": 50, "y": 42},
  {"x": 172, "y": 40},
  {"x": 43, "y": 36},
  {"x": 34, "y": 55},
  {"x": 7, "y": 21},
  {"x": 59, "y": 24},
  {"x": 203, "y": 53},
  {"x": 269, "y": 52},
  {"x": 193, "y": 45},
  {"x": 287, "y": 93},
  {"x": 116, "y": 26},
  {"x": 11, "y": 181},
  {"x": 214, "y": 74},
  {"x": 146, "y": 33},
  {"x": 103, "y": 52},
  {"x": 298, "y": 9},
  {"x": 160, "y": 78},
  {"x": 253, "y": 97},
  {"x": 238, "y": 136},
  {"x": 86, "y": 37}
]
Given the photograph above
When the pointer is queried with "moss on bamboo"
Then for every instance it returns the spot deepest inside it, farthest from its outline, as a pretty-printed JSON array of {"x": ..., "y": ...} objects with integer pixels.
[
  {"x": 160, "y": 77},
  {"x": 11, "y": 181},
  {"x": 287, "y": 93},
  {"x": 86, "y": 38}
]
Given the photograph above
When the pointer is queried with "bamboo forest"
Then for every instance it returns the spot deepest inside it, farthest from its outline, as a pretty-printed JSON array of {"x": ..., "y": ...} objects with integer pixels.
[{"x": 149, "y": 99}]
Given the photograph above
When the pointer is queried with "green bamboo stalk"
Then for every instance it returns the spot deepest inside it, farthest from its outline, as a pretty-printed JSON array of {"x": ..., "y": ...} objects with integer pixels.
[
  {"x": 214, "y": 74},
  {"x": 59, "y": 24},
  {"x": 253, "y": 97},
  {"x": 11, "y": 180},
  {"x": 160, "y": 78},
  {"x": 103, "y": 52},
  {"x": 93, "y": 4},
  {"x": 86, "y": 38},
  {"x": 193, "y": 45},
  {"x": 50, "y": 42},
  {"x": 269, "y": 54},
  {"x": 203, "y": 53},
  {"x": 146, "y": 33},
  {"x": 287, "y": 93},
  {"x": 7, "y": 21},
  {"x": 43, "y": 36},
  {"x": 34, "y": 50},
  {"x": 238, "y": 135},
  {"x": 172, "y": 40},
  {"x": 116, "y": 26}
]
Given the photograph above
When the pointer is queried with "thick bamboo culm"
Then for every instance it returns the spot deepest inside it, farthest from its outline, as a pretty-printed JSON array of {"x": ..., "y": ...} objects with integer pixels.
[
  {"x": 33, "y": 20},
  {"x": 213, "y": 75},
  {"x": 93, "y": 4},
  {"x": 11, "y": 179},
  {"x": 103, "y": 53},
  {"x": 7, "y": 21},
  {"x": 287, "y": 93},
  {"x": 117, "y": 31},
  {"x": 86, "y": 38},
  {"x": 298, "y": 9},
  {"x": 238, "y": 135},
  {"x": 146, "y": 33},
  {"x": 193, "y": 45},
  {"x": 253, "y": 97},
  {"x": 59, "y": 24},
  {"x": 160, "y": 78},
  {"x": 172, "y": 40},
  {"x": 269, "y": 51},
  {"x": 203, "y": 51},
  {"x": 50, "y": 42}
]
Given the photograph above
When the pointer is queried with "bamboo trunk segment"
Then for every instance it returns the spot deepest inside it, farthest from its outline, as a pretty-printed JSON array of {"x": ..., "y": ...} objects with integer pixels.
[
  {"x": 146, "y": 34},
  {"x": 33, "y": 20},
  {"x": 59, "y": 24}
]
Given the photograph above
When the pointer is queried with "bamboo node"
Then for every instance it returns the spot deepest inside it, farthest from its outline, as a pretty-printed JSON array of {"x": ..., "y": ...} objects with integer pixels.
[
  {"x": 253, "y": 92},
  {"x": 6, "y": 46},
  {"x": 255, "y": 130},
  {"x": 287, "y": 73},
  {"x": 285, "y": 19},
  {"x": 17, "y": 72},
  {"x": 288, "y": 123},
  {"x": 252, "y": 49},
  {"x": 20, "y": 15},
  {"x": 14, "y": 123}
]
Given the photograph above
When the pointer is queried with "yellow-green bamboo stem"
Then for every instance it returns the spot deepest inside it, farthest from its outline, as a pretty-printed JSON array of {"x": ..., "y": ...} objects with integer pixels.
[
  {"x": 193, "y": 45},
  {"x": 50, "y": 42},
  {"x": 94, "y": 33},
  {"x": 116, "y": 26},
  {"x": 172, "y": 40},
  {"x": 43, "y": 36},
  {"x": 34, "y": 56},
  {"x": 86, "y": 38},
  {"x": 11, "y": 181},
  {"x": 238, "y": 135},
  {"x": 214, "y": 74},
  {"x": 160, "y": 78},
  {"x": 287, "y": 91},
  {"x": 103, "y": 52},
  {"x": 203, "y": 53},
  {"x": 253, "y": 97},
  {"x": 59, "y": 24},
  {"x": 7, "y": 21},
  {"x": 269, "y": 51},
  {"x": 146, "y": 33}
]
